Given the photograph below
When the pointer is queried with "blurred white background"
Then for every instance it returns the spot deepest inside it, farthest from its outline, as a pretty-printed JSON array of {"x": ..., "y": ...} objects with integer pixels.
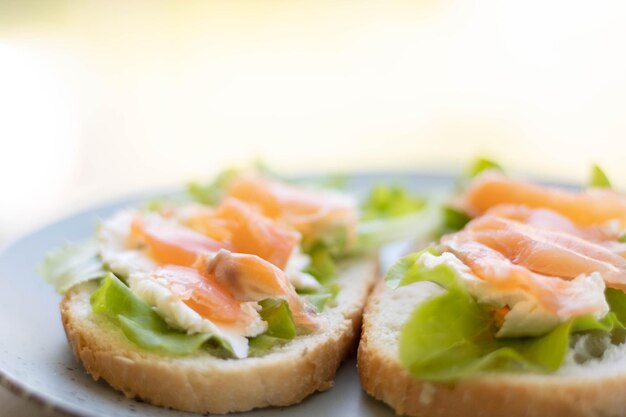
[{"x": 104, "y": 98}]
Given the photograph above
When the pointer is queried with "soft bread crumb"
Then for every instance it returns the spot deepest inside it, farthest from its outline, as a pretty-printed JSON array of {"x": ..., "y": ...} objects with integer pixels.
[
  {"x": 593, "y": 388},
  {"x": 205, "y": 384}
]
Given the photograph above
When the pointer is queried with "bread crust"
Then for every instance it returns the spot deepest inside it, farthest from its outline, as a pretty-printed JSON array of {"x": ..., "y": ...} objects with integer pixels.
[
  {"x": 206, "y": 384},
  {"x": 512, "y": 395}
]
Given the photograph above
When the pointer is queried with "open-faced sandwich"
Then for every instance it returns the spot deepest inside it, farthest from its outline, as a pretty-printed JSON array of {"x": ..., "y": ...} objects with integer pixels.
[
  {"x": 520, "y": 312},
  {"x": 244, "y": 297}
]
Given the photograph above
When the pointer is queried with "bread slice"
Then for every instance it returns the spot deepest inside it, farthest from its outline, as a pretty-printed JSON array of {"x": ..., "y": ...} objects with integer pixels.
[
  {"x": 205, "y": 384},
  {"x": 596, "y": 387}
]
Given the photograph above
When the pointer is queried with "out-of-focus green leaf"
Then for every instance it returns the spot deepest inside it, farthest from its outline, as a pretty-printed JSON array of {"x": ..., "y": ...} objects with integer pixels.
[
  {"x": 407, "y": 270},
  {"x": 480, "y": 165},
  {"x": 323, "y": 296},
  {"x": 322, "y": 265},
  {"x": 417, "y": 226},
  {"x": 597, "y": 178},
  {"x": 210, "y": 193},
  {"x": 389, "y": 201},
  {"x": 72, "y": 264},
  {"x": 453, "y": 219}
]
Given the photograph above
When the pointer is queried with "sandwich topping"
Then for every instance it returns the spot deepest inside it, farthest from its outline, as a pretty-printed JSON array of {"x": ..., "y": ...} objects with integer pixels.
[
  {"x": 533, "y": 266},
  {"x": 206, "y": 269},
  {"x": 234, "y": 267},
  {"x": 591, "y": 207}
]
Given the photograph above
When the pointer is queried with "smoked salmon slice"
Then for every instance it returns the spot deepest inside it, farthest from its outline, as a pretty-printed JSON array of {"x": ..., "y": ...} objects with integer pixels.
[
  {"x": 564, "y": 298},
  {"x": 548, "y": 252},
  {"x": 547, "y": 219},
  {"x": 203, "y": 294},
  {"x": 311, "y": 213},
  {"x": 224, "y": 276},
  {"x": 250, "y": 278},
  {"x": 589, "y": 207},
  {"x": 558, "y": 247},
  {"x": 171, "y": 243},
  {"x": 246, "y": 230}
]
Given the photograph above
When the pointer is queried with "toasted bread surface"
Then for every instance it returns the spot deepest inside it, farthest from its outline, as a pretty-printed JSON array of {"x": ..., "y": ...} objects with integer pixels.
[
  {"x": 207, "y": 384},
  {"x": 594, "y": 388}
]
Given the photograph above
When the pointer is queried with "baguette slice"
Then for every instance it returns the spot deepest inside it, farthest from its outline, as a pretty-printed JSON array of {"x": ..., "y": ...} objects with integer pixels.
[
  {"x": 594, "y": 388},
  {"x": 205, "y": 384}
]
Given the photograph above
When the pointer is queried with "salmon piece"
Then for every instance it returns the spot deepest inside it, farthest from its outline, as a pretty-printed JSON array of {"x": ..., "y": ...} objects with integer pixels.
[
  {"x": 246, "y": 230},
  {"x": 311, "y": 213},
  {"x": 588, "y": 207},
  {"x": 170, "y": 243},
  {"x": 550, "y": 220},
  {"x": 203, "y": 294},
  {"x": 203, "y": 219},
  {"x": 547, "y": 219},
  {"x": 548, "y": 252},
  {"x": 250, "y": 278},
  {"x": 212, "y": 280},
  {"x": 564, "y": 298}
]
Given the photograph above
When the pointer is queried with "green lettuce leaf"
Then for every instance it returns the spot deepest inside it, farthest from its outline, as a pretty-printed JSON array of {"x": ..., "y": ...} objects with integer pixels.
[
  {"x": 390, "y": 213},
  {"x": 419, "y": 225},
  {"x": 210, "y": 193},
  {"x": 324, "y": 249},
  {"x": 71, "y": 264},
  {"x": 333, "y": 239},
  {"x": 451, "y": 336},
  {"x": 323, "y": 268},
  {"x": 260, "y": 344},
  {"x": 389, "y": 201},
  {"x": 608, "y": 323},
  {"x": 617, "y": 303},
  {"x": 597, "y": 178},
  {"x": 279, "y": 319},
  {"x": 319, "y": 300},
  {"x": 322, "y": 265},
  {"x": 407, "y": 270},
  {"x": 280, "y": 326},
  {"x": 323, "y": 296},
  {"x": 480, "y": 165},
  {"x": 453, "y": 220},
  {"x": 140, "y": 323}
]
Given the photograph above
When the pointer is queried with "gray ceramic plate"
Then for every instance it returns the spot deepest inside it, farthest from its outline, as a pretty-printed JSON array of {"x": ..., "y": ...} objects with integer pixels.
[{"x": 37, "y": 363}]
